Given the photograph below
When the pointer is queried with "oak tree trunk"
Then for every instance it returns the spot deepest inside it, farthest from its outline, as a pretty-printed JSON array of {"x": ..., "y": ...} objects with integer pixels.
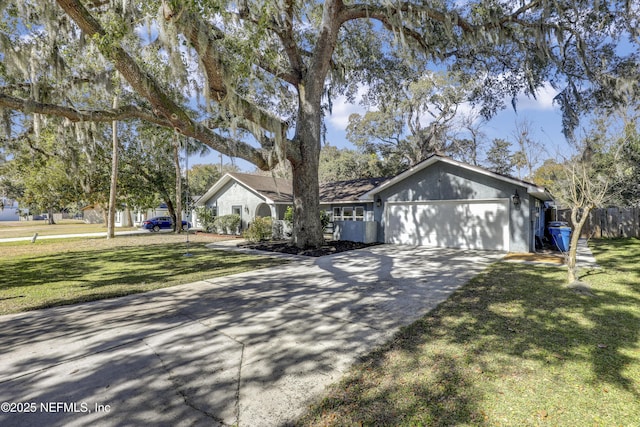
[{"x": 307, "y": 229}]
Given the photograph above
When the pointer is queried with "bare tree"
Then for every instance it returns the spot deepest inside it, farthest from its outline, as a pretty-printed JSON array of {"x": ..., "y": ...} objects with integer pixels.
[
  {"x": 469, "y": 141},
  {"x": 530, "y": 151},
  {"x": 583, "y": 192},
  {"x": 587, "y": 184}
]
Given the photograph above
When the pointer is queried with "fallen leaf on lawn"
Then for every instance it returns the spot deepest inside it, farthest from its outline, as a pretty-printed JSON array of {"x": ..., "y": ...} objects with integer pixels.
[{"x": 602, "y": 346}]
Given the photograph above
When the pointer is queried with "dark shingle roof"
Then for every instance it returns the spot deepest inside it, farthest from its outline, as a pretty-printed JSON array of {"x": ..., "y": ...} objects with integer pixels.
[
  {"x": 347, "y": 191},
  {"x": 279, "y": 190}
]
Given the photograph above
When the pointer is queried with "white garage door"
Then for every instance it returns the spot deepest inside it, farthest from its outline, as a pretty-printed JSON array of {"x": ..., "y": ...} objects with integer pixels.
[{"x": 467, "y": 224}]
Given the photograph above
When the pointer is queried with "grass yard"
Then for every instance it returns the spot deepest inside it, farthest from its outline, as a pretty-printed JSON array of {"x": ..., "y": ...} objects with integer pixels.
[
  {"x": 514, "y": 347},
  {"x": 9, "y": 229},
  {"x": 66, "y": 271}
]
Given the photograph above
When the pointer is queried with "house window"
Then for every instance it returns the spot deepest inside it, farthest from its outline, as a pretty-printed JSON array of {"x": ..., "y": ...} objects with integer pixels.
[
  {"x": 337, "y": 214},
  {"x": 330, "y": 215},
  {"x": 348, "y": 214},
  {"x": 359, "y": 213},
  {"x": 236, "y": 210},
  {"x": 214, "y": 210},
  {"x": 118, "y": 218}
]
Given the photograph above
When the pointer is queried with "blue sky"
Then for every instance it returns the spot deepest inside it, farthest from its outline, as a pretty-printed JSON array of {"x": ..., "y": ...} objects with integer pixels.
[{"x": 544, "y": 117}]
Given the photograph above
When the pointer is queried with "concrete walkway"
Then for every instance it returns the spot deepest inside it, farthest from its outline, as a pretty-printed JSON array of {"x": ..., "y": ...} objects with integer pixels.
[
  {"x": 253, "y": 349},
  {"x": 584, "y": 256},
  {"x": 68, "y": 236}
]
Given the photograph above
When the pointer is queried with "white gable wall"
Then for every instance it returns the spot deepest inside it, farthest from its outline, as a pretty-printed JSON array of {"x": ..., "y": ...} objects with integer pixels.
[{"x": 236, "y": 194}]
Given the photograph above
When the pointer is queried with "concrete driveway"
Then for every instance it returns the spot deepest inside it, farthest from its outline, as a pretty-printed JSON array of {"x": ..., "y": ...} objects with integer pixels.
[{"x": 250, "y": 349}]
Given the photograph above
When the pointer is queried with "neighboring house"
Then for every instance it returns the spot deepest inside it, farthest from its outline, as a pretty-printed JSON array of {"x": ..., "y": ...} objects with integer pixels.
[
  {"x": 439, "y": 202},
  {"x": 95, "y": 214},
  {"x": 9, "y": 210}
]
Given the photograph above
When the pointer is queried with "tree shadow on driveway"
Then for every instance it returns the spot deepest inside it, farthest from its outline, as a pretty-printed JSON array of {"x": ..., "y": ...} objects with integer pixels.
[{"x": 253, "y": 348}]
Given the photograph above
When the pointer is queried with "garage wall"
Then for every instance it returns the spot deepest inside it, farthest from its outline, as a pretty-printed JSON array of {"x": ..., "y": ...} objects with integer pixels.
[
  {"x": 466, "y": 224},
  {"x": 443, "y": 181}
]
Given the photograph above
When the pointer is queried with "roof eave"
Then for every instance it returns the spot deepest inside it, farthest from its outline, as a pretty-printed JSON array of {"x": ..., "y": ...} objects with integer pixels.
[
  {"x": 538, "y": 192},
  {"x": 214, "y": 189},
  {"x": 222, "y": 182}
]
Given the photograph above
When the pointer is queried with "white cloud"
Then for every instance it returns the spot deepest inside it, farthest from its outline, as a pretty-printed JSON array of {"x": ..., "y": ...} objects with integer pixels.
[
  {"x": 342, "y": 109},
  {"x": 542, "y": 102}
]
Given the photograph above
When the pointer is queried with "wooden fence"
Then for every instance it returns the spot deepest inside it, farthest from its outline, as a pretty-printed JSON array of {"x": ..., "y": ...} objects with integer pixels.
[{"x": 608, "y": 222}]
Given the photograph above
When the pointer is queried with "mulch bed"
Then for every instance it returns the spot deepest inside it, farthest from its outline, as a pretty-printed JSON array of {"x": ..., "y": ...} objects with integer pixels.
[
  {"x": 545, "y": 258},
  {"x": 330, "y": 247}
]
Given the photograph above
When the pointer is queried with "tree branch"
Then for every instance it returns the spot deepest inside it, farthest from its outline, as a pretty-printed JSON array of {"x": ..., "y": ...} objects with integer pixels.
[
  {"x": 122, "y": 113},
  {"x": 146, "y": 86},
  {"x": 283, "y": 28},
  {"x": 203, "y": 38}
]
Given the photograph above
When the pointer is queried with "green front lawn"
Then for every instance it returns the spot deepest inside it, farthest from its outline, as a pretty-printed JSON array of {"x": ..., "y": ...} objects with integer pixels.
[
  {"x": 67, "y": 276},
  {"x": 514, "y": 347},
  {"x": 11, "y": 229}
]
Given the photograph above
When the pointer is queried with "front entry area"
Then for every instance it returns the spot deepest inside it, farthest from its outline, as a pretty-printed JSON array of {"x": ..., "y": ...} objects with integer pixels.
[{"x": 464, "y": 224}]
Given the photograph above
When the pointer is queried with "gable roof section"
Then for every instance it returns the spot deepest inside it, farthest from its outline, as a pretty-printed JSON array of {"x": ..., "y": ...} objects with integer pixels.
[
  {"x": 273, "y": 190},
  {"x": 280, "y": 190},
  {"x": 276, "y": 190},
  {"x": 347, "y": 191},
  {"x": 533, "y": 189}
]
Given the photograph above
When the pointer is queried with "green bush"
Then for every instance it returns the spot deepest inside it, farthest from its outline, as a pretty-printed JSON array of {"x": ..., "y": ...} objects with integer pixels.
[
  {"x": 288, "y": 216},
  {"x": 260, "y": 229},
  {"x": 325, "y": 219},
  {"x": 207, "y": 218},
  {"x": 227, "y": 224}
]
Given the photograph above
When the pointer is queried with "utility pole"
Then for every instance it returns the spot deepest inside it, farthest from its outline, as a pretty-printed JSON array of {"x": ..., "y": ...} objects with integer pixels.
[{"x": 111, "y": 233}]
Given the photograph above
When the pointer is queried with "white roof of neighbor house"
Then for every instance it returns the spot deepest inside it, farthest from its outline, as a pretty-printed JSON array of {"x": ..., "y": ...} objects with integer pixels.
[{"x": 533, "y": 189}]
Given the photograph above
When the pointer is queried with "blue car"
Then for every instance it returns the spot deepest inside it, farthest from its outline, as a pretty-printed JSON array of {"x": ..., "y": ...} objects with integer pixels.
[{"x": 162, "y": 223}]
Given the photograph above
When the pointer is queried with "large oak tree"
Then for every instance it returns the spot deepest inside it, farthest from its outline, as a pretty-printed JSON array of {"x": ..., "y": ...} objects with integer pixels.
[{"x": 254, "y": 78}]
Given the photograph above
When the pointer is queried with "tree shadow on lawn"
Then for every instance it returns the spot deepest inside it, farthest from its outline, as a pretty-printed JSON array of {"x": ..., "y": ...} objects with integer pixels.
[
  {"x": 115, "y": 273},
  {"x": 618, "y": 254},
  {"x": 500, "y": 326}
]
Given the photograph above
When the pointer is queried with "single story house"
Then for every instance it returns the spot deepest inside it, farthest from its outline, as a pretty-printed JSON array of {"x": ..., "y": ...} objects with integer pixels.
[
  {"x": 439, "y": 202},
  {"x": 124, "y": 217},
  {"x": 9, "y": 210}
]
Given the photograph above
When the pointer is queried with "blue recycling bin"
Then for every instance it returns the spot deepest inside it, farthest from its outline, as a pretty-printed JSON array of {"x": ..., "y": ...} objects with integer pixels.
[{"x": 561, "y": 236}]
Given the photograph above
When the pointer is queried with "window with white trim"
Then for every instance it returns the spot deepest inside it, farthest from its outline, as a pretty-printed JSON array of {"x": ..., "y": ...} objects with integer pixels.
[
  {"x": 337, "y": 214},
  {"x": 359, "y": 213},
  {"x": 347, "y": 213}
]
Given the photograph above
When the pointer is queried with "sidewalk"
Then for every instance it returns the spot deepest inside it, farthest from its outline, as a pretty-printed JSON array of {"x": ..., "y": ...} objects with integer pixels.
[{"x": 67, "y": 236}]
